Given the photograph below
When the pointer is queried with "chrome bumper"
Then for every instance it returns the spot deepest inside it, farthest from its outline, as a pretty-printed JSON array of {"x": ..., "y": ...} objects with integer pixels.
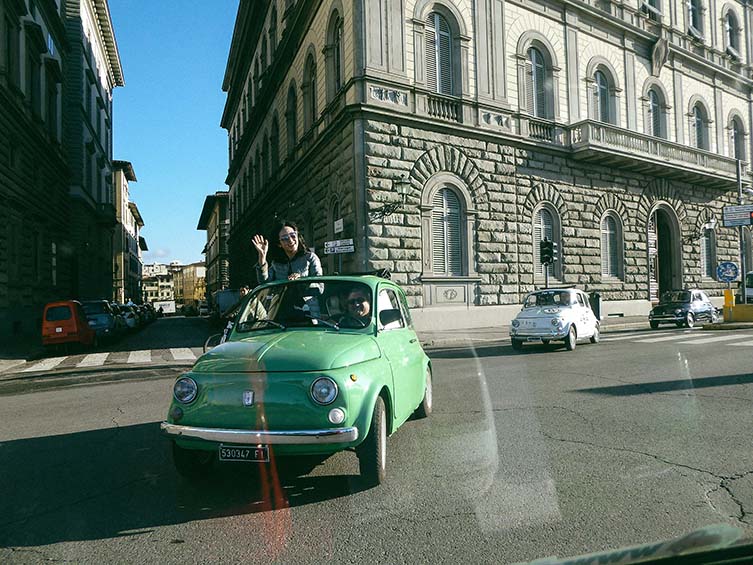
[{"x": 254, "y": 437}]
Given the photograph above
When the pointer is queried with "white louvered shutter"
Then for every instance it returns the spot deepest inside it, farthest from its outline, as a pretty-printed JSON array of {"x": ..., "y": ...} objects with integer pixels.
[
  {"x": 609, "y": 247},
  {"x": 444, "y": 56},
  {"x": 529, "y": 87},
  {"x": 431, "y": 54},
  {"x": 446, "y": 233},
  {"x": 536, "y": 72}
]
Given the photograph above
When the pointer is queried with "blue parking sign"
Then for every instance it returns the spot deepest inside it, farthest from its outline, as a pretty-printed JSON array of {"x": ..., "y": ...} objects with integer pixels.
[{"x": 727, "y": 271}]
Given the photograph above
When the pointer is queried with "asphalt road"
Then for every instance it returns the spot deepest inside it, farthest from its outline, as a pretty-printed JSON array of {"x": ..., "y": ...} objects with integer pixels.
[{"x": 527, "y": 455}]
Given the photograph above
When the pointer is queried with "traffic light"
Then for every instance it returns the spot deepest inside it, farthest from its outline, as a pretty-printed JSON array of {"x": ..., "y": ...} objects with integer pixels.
[{"x": 546, "y": 251}]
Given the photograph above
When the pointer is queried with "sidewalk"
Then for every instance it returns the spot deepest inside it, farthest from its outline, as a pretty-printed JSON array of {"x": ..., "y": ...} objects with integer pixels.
[
  {"x": 443, "y": 338},
  {"x": 17, "y": 350}
]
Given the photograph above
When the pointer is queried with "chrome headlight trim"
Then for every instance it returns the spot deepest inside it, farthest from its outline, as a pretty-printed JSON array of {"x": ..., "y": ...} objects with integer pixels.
[
  {"x": 330, "y": 397},
  {"x": 191, "y": 390}
]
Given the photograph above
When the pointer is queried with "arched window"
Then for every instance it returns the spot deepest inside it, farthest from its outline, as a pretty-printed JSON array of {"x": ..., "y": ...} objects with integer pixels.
[
  {"x": 737, "y": 139},
  {"x": 273, "y": 32},
  {"x": 655, "y": 125},
  {"x": 256, "y": 80},
  {"x": 265, "y": 158},
  {"x": 708, "y": 253},
  {"x": 539, "y": 87},
  {"x": 264, "y": 55},
  {"x": 695, "y": 18},
  {"x": 601, "y": 93},
  {"x": 699, "y": 127},
  {"x": 446, "y": 238},
  {"x": 309, "y": 92},
  {"x": 338, "y": 54},
  {"x": 274, "y": 146},
  {"x": 439, "y": 72},
  {"x": 611, "y": 244},
  {"x": 291, "y": 124},
  {"x": 545, "y": 225},
  {"x": 732, "y": 33}
]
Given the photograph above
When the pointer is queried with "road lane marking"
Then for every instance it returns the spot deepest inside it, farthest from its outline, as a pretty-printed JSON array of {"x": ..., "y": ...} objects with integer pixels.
[
  {"x": 45, "y": 365},
  {"x": 675, "y": 337},
  {"x": 93, "y": 360},
  {"x": 622, "y": 337},
  {"x": 716, "y": 339},
  {"x": 742, "y": 344},
  {"x": 180, "y": 353},
  {"x": 143, "y": 356}
]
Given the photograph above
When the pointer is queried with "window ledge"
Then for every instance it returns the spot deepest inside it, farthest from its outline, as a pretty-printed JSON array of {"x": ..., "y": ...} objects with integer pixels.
[{"x": 450, "y": 278}]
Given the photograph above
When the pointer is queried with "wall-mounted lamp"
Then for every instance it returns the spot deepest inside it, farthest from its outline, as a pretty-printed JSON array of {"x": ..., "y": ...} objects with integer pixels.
[{"x": 402, "y": 187}]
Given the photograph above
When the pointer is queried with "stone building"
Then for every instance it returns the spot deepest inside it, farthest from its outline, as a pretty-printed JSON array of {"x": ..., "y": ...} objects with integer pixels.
[
  {"x": 214, "y": 220},
  {"x": 612, "y": 128},
  {"x": 34, "y": 225},
  {"x": 157, "y": 283},
  {"x": 92, "y": 72},
  {"x": 128, "y": 242},
  {"x": 189, "y": 282}
]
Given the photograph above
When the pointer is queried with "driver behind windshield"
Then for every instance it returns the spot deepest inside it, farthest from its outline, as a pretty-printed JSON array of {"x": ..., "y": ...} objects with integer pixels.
[{"x": 357, "y": 309}]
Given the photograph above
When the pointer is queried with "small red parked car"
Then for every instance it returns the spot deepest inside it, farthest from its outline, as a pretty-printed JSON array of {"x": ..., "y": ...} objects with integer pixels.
[{"x": 65, "y": 322}]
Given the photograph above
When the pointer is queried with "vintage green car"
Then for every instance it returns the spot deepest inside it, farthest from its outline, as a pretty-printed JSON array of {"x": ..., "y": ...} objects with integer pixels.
[{"x": 311, "y": 366}]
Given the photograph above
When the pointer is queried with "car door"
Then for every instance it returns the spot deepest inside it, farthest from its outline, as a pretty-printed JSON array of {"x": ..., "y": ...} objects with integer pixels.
[
  {"x": 588, "y": 316},
  {"x": 708, "y": 307},
  {"x": 697, "y": 306},
  {"x": 396, "y": 341},
  {"x": 580, "y": 316}
]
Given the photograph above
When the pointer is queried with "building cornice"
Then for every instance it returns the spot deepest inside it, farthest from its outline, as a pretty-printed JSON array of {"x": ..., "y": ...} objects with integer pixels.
[
  {"x": 104, "y": 21},
  {"x": 127, "y": 169}
]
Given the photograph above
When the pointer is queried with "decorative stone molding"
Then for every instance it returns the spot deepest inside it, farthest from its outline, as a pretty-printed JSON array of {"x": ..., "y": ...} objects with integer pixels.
[
  {"x": 704, "y": 217},
  {"x": 544, "y": 192},
  {"x": 388, "y": 95},
  {"x": 660, "y": 191},
  {"x": 610, "y": 202},
  {"x": 443, "y": 158}
]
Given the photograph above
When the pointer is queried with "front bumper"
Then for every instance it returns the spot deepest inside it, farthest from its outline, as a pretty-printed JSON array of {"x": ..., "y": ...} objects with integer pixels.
[
  {"x": 540, "y": 333},
  {"x": 262, "y": 437},
  {"x": 675, "y": 318}
]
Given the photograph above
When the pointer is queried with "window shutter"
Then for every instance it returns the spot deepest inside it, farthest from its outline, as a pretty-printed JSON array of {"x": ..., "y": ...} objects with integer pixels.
[
  {"x": 431, "y": 54},
  {"x": 609, "y": 247},
  {"x": 445, "y": 57},
  {"x": 446, "y": 233},
  {"x": 693, "y": 133},
  {"x": 529, "y": 87},
  {"x": 536, "y": 79}
]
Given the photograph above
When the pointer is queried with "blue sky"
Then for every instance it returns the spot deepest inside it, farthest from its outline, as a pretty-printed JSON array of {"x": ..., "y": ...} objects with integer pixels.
[{"x": 167, "y": 117}]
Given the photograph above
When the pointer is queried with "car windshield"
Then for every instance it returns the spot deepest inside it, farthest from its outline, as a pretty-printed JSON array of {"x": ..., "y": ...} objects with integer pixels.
[
  {"x": 93, "y": 308},
  {"x": 676, "y": 296},
  {"x": 327, "y": 304},
  {"x": 548, "y": 298}
]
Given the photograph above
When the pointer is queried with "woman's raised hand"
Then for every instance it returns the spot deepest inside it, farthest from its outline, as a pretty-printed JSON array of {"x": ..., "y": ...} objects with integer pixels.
[{"x": 262, "y": 246}]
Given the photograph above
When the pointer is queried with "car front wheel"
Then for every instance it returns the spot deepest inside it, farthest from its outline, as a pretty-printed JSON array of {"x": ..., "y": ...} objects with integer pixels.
[
  {"x": 689, "y": 320},
  {"x": 424, "y": 409},
  {"x": 192, "y": 464},
  {"x": 571, "y": 339},
  {"x": 372, "y": 453}
]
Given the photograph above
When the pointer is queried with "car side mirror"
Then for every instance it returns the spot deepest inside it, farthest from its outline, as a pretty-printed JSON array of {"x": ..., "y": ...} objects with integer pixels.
[{"x": 387, "y": 317}]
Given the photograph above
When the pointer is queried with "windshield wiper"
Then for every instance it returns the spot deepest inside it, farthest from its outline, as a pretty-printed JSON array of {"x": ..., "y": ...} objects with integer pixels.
[
  {"x": 246, "y": 326},
  {"x": 325, "y": 322}
]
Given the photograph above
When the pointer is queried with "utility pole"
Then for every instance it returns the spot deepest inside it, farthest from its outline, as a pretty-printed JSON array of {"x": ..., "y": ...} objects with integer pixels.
[{"x": 743, "y": 267}]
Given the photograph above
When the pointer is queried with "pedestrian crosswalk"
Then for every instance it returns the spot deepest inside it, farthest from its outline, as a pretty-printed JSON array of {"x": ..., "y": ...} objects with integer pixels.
[
  {"x": 145, "y": 357},
  {"x": 684, "y": 337}
]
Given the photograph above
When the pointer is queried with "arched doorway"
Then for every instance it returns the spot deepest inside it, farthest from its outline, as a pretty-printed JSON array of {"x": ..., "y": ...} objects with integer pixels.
[{"x": 664, "y": 252}]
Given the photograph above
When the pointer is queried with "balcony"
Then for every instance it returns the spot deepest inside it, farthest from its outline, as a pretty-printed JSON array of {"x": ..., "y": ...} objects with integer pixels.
[
  {"x": 614, "y": 146},
  {"x": 444, "y": 107}
]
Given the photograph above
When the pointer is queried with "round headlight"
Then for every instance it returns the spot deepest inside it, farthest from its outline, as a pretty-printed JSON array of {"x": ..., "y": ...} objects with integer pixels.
[
  {"x": 515, "y": 323},
  {"x": 678, "y": 311},
  {"x": 324, "y": 391},
  {"x": 185, "y": 390}
]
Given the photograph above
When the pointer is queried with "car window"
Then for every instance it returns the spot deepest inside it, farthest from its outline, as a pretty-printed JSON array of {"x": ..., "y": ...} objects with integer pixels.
[
  {"x": 676, "y": 296},
  {"x": 58, "y": 314},
  {"x": 307, "y": 304},
  {"x": 581, "y": 301},
  {"x": 547, "y": 298},
  {"x": 387, "y": 301},
  {"x": 92, "y": 308},
  {"x": 406, "y": 310}
]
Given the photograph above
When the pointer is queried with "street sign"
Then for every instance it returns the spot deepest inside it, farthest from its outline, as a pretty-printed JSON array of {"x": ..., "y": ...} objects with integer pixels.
[
  {"x": 733, "y": 216},
  {"x": 339, "y": 246},
  {"x": 339, "y": 225},
  {"x": 727, "y": 271}
]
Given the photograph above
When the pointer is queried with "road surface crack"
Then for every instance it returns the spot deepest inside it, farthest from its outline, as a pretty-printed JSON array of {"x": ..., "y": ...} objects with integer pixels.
[{"x": 113, "y": 420}]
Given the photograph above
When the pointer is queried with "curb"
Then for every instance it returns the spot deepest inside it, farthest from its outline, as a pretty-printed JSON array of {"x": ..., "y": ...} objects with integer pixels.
[
  {"x": 725, "y": 326},
  {"x": 72, "y": 371}
]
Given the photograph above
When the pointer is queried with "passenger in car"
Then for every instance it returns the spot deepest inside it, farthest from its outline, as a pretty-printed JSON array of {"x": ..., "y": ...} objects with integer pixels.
[{"x": 290, "y": 258}]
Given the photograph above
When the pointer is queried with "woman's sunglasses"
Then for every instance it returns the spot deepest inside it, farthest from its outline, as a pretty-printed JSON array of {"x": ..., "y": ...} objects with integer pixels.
[
  {"x": 356, "y": 301},
  {"x": 289, "y": 237}
]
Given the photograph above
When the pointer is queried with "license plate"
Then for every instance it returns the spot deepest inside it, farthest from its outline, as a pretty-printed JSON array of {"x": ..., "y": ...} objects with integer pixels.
[
  {"x": 250, "y": 453},
  {"x": 533, "y": 339},
  {"x": 58, "y": 330}
]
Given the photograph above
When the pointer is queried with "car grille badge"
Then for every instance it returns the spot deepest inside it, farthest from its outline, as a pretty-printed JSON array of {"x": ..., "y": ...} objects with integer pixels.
[{"x": 248, "y": 398}]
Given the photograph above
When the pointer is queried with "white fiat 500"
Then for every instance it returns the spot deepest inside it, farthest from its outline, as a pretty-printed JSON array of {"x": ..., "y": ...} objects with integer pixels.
[{"x": 554, "y": 314}]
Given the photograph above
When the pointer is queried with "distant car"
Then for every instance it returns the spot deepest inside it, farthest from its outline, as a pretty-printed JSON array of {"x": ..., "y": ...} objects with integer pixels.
[
  {"x": 102, "y": 319},
  {"x": 65, "y": 322},
  {"x": 203, "y": 308},
  {"x": 312, "y": 366},
  {"x": 130, "y": 316},
  {"x": 683, "y": 308},
  {"x": 555, "y": 315}
]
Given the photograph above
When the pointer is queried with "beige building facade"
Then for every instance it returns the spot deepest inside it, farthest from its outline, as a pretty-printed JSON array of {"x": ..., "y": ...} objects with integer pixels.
[
  {"x": 128, "y": 244},
  {"x": 214, "y": 220},
  {"x": 613, "y": 129}
]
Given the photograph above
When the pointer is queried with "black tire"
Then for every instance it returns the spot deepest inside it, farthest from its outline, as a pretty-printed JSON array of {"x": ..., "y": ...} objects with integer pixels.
[
  {"x": 372, "y": 453},
  {"x": 714, "y": 316},
  {"x": 193, "y": 464},
  {"x": 571, "y": 339},
  {"x": 424, "y": 409},
  {"x": 653, "y": 324},
  {"x": 596, "y": 337},
  {"x": 517, "y": 344},
  {"x": 689, "y": 320}
]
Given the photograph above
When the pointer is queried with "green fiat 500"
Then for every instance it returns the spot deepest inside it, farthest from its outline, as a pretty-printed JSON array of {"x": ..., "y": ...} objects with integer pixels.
[{"x": 311, "y": 366}]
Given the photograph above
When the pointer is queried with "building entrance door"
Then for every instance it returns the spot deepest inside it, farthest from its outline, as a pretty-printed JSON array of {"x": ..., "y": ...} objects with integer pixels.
[{"x": 663, "y": 255}]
